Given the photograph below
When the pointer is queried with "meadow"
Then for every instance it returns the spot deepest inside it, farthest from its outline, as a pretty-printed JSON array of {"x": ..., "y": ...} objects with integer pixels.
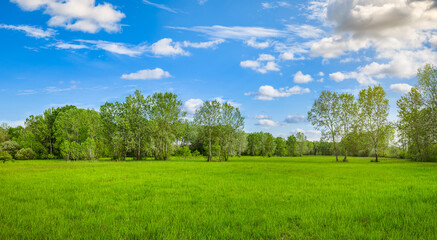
[{"x": 245, "y": 198}]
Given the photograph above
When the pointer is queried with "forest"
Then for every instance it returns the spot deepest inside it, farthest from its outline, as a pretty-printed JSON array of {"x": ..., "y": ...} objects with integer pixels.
[{"x": 156, "y": 127}]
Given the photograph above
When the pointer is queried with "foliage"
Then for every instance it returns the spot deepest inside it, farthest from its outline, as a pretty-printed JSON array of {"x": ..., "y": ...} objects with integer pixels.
[
  {"x": 25, "y": 154},
  {"x": 11, "y": 147}
]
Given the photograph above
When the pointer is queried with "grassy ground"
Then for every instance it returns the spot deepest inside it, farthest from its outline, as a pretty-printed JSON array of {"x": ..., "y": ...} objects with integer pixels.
[{"x": 246, "y": 198}]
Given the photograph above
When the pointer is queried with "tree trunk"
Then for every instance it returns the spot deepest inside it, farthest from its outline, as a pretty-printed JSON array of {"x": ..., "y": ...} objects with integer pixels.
[
  {"x": 376, "y": 159},
  {"x": 210, "y": 154},
  {"x": 336, "y": 152},
  {"x": 165, "y": 151},
  {"x": 345, "y": 154}
]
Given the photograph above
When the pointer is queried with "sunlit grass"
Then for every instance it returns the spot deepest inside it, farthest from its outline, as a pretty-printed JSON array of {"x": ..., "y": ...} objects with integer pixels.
[{"x": 246, "y": 198}]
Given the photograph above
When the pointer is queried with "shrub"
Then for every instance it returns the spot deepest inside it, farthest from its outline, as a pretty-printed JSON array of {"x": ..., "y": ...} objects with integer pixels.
[
  {"x": 5, "y": 156},
  {"x": 11, "y": 147},
  {"x": 25, "y": 154}
]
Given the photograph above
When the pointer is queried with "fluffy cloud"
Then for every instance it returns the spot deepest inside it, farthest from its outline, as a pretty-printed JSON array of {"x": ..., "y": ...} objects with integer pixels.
[
  {"x": 77, "y": 15},
  {"x": 268, "y": 93},
  {"x": 399, "y": 32},
  {"x": 401, "y": 87},
  {"x": 236, "y": 32},
  {"x": 260, "y": 45},
  {"x": 267, "y": 123},
  {"x": 299, "y": 77},
  {"x": 264, "y": 64},
  {"x": 191, "y": 105},
  {"x": 166, "y": 47},
  {"x": 295, "y": 119},
  {"x": 31, "y": 31},
  {"x": 209, "y": 44},
  {"x": 147, "y": 74}
]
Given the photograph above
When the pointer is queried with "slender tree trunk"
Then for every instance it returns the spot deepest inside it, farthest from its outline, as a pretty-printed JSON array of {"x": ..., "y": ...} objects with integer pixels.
[
  {"x": 210, "y": 154},
  {"x": 376, "y": 155},
  {"x": 345, "y": 153},
  {"x": 165, "y": 151},
  {"x": 336, "y": 152}
]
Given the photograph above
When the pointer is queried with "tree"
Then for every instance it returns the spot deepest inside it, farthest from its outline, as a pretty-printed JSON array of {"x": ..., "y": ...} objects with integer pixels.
[
  {"x": 373, "y": 113},
  {"x": 347, "y": 117},
  {"x": 412, "y": 122},
  {"x": 230, "y": 122},
  {"x": 325, "y": 115},
  {"x": 301, "y": 141},
  {"x": 135, "y": 118},
  {"x": 291, "y": 144},
  {"x": 166, "y": 119},
  {"x": 207, "y": 117},
  {"x": 281, "y": 150}
]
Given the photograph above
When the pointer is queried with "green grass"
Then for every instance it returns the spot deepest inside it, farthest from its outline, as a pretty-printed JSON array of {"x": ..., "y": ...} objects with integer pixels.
[{"x": 246, "y": 198}]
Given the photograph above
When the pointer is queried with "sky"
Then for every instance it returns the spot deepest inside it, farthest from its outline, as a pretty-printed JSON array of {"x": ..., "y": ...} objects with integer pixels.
[{"x": 269, "y": 58}]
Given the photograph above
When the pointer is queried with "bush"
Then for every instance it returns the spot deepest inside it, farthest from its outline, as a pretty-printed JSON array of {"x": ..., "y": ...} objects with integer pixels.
[
  {"x": 11, "y": 147},
  {"x": 25, "y": 154},
  {"x": 5, "y": 156}
]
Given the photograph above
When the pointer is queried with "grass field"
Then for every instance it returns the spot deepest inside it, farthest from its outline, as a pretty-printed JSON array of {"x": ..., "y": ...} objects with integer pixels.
[{"x": 246, "y": 198}]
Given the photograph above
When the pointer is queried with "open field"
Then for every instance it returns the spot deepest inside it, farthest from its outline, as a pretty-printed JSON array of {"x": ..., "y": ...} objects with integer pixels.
[{"x": 246, "y": 198}]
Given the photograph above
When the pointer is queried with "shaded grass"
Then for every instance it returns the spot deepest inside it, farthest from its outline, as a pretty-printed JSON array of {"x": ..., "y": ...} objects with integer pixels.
[{"x": 246, "y": 198}]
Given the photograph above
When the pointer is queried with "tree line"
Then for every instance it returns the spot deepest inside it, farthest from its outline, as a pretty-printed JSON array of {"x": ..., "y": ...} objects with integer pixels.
[{"x": 156, "y": 127}]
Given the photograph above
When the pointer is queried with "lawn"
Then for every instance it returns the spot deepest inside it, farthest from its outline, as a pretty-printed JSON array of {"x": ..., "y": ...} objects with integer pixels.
[{"x": 246, "y": 198}]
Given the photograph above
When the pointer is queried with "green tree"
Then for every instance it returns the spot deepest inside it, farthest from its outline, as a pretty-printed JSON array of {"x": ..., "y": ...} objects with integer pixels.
[
  {"x": 325, "y": 116},
  {"x": 166, "y": 120},
  {"x": 291, "y": 145},
  {"x": 347, "y": 117},
  {"x": 207, "y": 117},
  {"x": 281, "y": 149},
  {"x": 373, "y": 113},
  {"x": 301, "y": 143}
]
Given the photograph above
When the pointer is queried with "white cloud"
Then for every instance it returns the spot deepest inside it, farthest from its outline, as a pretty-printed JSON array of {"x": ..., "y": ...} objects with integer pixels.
[
  {"x": 161, "y": 6},
  {"x": 118, "y": 48},
  {"x": 201, "y": 2},
  {"x": 209, "y": 44},
  {"x": 166, "y": 47},
  {"x": 191, "y": 105},
  {"x": 264, "y": 64},
  {"x": 277, "y": 4},
  {"x": 267, "y": 123},
  {"x": 62, "y": 45},
  {"x": 266, "y": 57},
  {"x": 337, "y": 76},
  {"x": 262, "y": 116},
  {"x": 30, "y": 31},
  {"x": 268, "y": 93},
  {"x": 299, "y": 77},
  {"x": 295, "y": 119},
  {"x": 77, "y": 15},
  {"x": 305, "y": 31},
  {"x": 401, "y": 87},
  {"x": 260, "y": 45},
  {"x": 147, "y": 74},
  {"x": 236, "y": 32}
]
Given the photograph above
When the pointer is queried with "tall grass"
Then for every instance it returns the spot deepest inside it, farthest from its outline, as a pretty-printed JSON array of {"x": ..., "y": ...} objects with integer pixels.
[{"x": 246, "y": 198}]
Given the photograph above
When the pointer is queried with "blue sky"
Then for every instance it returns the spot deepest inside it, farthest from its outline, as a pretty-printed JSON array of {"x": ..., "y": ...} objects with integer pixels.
[{"x": 270, "y": 58}]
